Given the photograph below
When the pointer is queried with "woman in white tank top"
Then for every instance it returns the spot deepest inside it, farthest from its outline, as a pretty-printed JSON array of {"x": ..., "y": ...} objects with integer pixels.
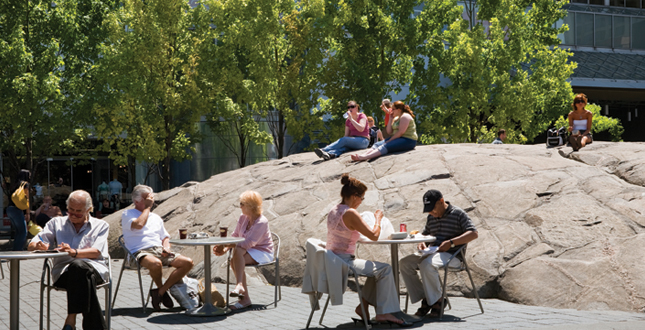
[{"x": 580, "y": 121}]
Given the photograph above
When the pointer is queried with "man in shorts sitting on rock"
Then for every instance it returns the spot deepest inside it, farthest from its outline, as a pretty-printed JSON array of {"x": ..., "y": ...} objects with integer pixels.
[{"x": 147, "y": 239}]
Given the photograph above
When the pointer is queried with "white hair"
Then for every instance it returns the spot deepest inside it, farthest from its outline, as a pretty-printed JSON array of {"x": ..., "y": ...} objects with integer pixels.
[
  {"x": 81, "y": 194},
  {"x": 139, "y": 190}
]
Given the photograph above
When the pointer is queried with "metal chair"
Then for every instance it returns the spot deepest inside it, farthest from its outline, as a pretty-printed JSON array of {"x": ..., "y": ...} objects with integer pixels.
[
  {"x": 46, "y": 277},
  {"x": 276, "y": 261},
  {"x": 2, "y": 269},
  {"x": 353, "y": 273},
  {"x": 464, "y": 266},
  {"x": 128, "y": 263}
]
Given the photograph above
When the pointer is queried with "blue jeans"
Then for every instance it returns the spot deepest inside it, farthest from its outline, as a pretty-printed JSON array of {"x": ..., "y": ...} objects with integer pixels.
[
  {"x": 345, "y": 144},
  {"x": 400, "y": 144},
  {"x": 17, "y": 217}
]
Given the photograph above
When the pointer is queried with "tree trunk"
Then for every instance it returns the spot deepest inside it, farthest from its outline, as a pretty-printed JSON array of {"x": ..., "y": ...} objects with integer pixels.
[{"x": 166, "y": 161}]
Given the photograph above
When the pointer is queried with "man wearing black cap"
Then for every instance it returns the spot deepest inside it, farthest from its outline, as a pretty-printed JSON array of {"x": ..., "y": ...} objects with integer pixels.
[{"x": 452, "y": 227}]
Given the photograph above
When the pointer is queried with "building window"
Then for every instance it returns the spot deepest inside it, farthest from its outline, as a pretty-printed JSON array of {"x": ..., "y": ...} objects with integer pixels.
[
  {"x": 584, "y": 29},
  {"x": 638, "y": 24},
  {"x": 621, "y": 32},
  {"x": 603, "y": 31}
]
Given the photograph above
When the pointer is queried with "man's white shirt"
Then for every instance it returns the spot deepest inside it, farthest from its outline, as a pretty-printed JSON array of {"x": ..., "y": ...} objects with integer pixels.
[{"x": 149, "y": 236}]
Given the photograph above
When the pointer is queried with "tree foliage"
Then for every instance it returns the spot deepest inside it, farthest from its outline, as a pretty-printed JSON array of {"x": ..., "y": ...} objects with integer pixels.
[
  {"x": 150, "y": 101},
  {"x": 489, "y": 65},
  {"x": 371, "y": 48},
  {"x": 267, "y": 58},
  {"x": 46, "y": 53}
]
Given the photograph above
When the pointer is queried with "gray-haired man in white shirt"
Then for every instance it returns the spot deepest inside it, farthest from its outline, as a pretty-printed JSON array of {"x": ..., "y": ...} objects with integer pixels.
[{"x": 147, "y": 239}]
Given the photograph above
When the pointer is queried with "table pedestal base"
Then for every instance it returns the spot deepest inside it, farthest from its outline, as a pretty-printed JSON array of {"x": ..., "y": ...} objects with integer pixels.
[{"x": 209, "y": 310}]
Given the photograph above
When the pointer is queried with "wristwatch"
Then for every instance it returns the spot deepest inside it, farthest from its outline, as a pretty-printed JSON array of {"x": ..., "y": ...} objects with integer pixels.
[{"x": 452, "y": 244}]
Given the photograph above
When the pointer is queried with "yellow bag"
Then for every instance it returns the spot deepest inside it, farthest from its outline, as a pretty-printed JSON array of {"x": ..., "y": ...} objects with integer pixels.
[
  {"x": 19, "y": 197},
  {"x": 216, "y": 297},
  {"x": 34, "y": 229}
]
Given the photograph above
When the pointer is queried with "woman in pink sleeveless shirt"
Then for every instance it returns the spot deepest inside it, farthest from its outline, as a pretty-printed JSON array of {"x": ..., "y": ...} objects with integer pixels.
[
  {"x": 357, "y": 134},
  {"x": 344, "y": 226}
]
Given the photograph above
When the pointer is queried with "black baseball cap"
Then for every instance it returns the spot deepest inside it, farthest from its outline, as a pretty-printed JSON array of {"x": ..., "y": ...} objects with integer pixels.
[{"x": 430, "y": 198}]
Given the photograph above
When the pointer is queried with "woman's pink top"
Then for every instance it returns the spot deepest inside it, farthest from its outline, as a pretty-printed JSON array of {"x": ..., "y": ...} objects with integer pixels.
[
  {"x": 340, "y": 239},
  {"x": 353, "y": 131},
  {"x": 257, "y": 237}
]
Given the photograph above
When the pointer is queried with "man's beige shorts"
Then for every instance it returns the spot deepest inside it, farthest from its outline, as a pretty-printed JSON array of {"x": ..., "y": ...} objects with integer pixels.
[{"x": 156, "y": 251}]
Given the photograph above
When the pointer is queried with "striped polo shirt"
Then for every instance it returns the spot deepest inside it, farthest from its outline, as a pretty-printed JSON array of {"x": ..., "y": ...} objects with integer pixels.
[{"x": 453, "y": 223}]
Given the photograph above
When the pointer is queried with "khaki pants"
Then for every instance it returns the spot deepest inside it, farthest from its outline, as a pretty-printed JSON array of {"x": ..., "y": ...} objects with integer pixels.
[
  {"x": 429, "y": 285},
  {"x": 379, "y": 289}
]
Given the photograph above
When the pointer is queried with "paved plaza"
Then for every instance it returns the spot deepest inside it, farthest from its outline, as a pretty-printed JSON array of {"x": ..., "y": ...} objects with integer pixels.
[{"x": 292, "y": 312}]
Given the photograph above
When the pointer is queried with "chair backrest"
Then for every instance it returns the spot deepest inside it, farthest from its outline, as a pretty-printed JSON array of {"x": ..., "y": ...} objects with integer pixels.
[
  {"x": 276, "y": 246},
  {"x": 129, "y": 261}
]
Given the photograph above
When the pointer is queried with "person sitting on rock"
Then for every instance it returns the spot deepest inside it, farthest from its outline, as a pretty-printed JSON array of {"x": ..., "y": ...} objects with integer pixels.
[
  {"x": 257, "y": 247},
  {"x": 403, "y": 134},
  {"x": 146, "y": 238},
  {"x": 375, "y": 133},
  {"x": 452, "y": 227},
  {"x": 580, "y": 120},
  {"x": 356, "y": 134}
]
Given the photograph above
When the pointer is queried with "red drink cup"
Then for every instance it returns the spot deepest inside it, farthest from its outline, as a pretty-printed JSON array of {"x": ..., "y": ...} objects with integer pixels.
[
  {"x": 403, "y": 228},
  {"x": 223, "y": 231},
  {"x": 183, "y": 233}
]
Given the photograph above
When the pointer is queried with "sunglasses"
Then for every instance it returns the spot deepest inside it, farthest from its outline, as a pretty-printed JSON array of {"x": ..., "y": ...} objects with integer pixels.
[
  {"x": 578, "y": 101},
  {"x": 351, "y": 106}
]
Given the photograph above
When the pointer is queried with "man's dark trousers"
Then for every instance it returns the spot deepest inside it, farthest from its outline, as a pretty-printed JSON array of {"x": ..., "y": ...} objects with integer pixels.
[{"x": 80, "y": 280}]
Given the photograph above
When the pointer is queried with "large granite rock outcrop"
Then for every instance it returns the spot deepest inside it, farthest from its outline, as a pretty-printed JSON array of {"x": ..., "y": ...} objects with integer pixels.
[{"x": 553, "y": 231}]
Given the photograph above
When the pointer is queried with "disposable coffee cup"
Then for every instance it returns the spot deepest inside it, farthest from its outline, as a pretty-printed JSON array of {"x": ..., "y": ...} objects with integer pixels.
[
  {"x": 223, "y": 231},
  {"x": 183, "y": 233},
  {"x": 403, "y": 228}
]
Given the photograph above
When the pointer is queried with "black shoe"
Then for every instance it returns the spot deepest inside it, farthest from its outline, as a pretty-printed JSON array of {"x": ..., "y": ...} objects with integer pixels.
[
  {"x": 167, "y": 301},
  {"x": 156, "y": 299},
  {"x": 424, "y": 309},
  {"x": 321, "y": 154}
]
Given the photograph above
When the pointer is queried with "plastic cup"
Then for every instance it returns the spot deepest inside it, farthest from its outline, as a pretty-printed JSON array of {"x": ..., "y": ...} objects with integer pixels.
[
  {"x": 223, "y": 231},
  {"x": 403, "y": 228},
  {"x": 183, "y": 233}
]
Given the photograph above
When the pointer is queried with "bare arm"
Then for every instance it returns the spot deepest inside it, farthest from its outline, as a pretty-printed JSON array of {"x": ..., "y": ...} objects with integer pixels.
[
  {"x": 141, "y": 221},
  {"x": 353, "y": 221},
  {"x": 589, "y": 122},
  {"x": 346, "y": 131},
  {"x": 404, "y": 122},
  {"x": 360, "y": 125},
  {"x": 570, "y": 121},
  {"x": 462, "y": 239}
]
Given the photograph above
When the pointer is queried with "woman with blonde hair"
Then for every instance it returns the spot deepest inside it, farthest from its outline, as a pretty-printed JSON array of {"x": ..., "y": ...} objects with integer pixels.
[
  {"x": 257, "y": 247},
  {"x": 402, "y": 130},
  {"x": 344, "y": 227}
]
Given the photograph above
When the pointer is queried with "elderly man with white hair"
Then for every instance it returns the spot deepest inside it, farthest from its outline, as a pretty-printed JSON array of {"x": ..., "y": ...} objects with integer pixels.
[
  {"x": 84, "y": 239},
  {"x": 146, "y": 238}
]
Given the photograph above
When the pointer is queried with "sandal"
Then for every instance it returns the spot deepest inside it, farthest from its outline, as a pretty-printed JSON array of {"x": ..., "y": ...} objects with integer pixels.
[
  {"x": 436, "y": 308},
  {"x": 236, "y": 293},
  {"x": 237, "y": 306},
  {"x": 424, "y": 309}
]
